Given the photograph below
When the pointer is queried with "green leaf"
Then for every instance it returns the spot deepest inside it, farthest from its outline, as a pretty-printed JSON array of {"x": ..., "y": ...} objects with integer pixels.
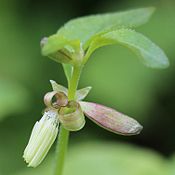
[
  {"x": 172, "y": 165},
  {"x": 151, "y": 55},
  {"x": 86, "y": 27},
  {"x": 57, "y": 42},
  {"x": 73, "y": 39},
  {"x": 114, "y": 159},
  {"x": 92, "y": 157},
  {"x": 60, "y": 49}
]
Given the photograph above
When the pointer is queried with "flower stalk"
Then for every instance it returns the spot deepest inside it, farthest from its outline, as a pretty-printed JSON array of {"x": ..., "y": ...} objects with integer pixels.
[{"x": 63, "y": 138}]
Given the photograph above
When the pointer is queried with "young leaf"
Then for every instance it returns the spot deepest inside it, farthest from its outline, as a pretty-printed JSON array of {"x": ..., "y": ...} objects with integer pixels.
[
  {"x": 151, "y": 55},
  {"x": 62, "y": 50},
  {"x": 86, "y": 27},
  {"x": 110, "y": 119},
  {"x": 56, "y": 42}
]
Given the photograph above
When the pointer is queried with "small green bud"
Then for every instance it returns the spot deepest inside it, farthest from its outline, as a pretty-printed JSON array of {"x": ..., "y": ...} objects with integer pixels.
[
  {"x": 72, "y": 117},
  {"x": 42, "y": 137}
]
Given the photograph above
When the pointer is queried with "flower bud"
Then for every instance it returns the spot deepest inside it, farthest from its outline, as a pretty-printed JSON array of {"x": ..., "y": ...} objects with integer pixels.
[
  {"x": 52, "y": 46},
  {"x": 62, "y": 50},
  {"x": 111, "y": 119},
  {"x": 42, "y": 137},
  {"x": 72, "y": 117}
]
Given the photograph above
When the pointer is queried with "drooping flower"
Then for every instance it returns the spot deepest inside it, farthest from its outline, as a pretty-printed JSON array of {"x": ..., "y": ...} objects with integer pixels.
[
  {"x": 103, "y": 116},
  {"x": 71, "y": 115}
]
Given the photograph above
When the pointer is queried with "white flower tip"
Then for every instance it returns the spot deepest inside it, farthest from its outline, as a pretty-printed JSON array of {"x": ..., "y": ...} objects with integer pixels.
[
  {"x": 52, "y": 81},
  {"x": 42, "y": 137},
  {"x": 135, "y": 129}
]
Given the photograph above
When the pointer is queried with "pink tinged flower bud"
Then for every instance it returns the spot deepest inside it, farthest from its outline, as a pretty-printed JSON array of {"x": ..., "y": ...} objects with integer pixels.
[
  {"x": 110, "y": 119},
  {"x": 42, "y": 137}
]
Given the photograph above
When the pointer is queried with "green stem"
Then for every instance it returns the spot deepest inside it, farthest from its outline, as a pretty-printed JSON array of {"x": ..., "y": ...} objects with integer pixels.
[
  {"x": 74, "y": 82},
  {"x": 63, "y": 133},
  {"x": 62, "y": 143}
]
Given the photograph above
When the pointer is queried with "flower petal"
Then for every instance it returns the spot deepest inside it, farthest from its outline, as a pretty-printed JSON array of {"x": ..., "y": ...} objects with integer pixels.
[
  {"x": 72, "y": 117},
  {"x": 58, "y": 88},
  {"x": 61, "y": 99},
  {"x": 82, "y": 93},
  {"x": 110, "y": 119}
]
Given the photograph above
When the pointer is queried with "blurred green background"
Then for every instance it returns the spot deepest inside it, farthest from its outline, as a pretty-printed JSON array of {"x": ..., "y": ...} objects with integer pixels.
[{"x": 118, "y": 79}]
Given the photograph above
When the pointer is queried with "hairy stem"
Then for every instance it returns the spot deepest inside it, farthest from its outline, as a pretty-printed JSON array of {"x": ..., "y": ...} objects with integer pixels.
[{"x": 63, "y": 138}]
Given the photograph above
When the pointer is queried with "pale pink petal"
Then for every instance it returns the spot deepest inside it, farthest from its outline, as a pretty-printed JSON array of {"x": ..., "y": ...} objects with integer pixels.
[{"x": 110, "y": 119}]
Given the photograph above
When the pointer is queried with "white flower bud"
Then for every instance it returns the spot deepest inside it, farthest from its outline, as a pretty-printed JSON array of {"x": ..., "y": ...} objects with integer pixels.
[{"x": 42, "y": 137}]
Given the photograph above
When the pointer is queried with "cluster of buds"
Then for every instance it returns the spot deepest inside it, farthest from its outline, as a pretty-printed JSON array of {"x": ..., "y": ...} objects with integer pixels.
[{"x": 71, "y": 115}]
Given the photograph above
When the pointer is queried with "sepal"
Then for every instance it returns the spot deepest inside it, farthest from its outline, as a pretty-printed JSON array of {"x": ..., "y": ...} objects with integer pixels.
[{"x": 80, "y": 94}]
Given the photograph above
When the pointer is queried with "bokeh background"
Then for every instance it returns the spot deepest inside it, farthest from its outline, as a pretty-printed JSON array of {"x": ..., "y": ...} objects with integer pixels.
[{"x": 118, "y": 79}]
